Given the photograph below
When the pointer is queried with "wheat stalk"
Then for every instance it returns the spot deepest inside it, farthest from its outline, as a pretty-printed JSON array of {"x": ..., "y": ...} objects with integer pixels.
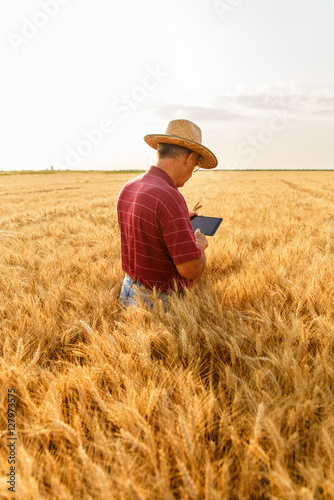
[
  {"x": 225, "y": 395},
  {"x": 197, "y": 207}
]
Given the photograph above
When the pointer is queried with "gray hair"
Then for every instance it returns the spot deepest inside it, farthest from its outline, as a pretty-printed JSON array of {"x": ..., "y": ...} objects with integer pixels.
[{"x": 172, "y": 151}]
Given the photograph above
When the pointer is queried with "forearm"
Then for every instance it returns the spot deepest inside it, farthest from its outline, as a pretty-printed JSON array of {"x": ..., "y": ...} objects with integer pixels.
[
  {"x": 202, "y": 261},
  {"x": 193, "y": 268}
]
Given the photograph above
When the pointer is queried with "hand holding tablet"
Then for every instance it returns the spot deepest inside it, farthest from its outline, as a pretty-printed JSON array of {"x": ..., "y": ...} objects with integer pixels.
[{"x": 207, "y": 225}]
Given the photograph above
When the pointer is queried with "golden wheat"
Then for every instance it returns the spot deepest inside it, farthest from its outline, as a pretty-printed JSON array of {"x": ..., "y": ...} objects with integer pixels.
[{"x": 227, "y": 395}]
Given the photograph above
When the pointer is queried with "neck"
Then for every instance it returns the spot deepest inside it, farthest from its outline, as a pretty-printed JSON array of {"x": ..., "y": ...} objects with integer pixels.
[{"x": 171, "y": 168}]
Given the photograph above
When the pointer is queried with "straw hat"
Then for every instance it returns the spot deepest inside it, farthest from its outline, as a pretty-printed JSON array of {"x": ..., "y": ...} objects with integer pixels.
[{"x": 184, "y": 133}]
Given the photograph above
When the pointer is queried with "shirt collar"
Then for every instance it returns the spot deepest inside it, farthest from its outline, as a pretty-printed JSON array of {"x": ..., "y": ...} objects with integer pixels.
[{"x": 162, "y": 174}]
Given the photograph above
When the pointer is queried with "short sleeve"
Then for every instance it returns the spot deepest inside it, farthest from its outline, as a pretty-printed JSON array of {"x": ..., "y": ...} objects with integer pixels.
[{"x": 178, "y": 234}]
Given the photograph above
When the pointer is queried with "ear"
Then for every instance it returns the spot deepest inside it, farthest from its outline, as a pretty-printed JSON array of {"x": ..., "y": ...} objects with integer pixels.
[{"x": 189, "y": 158}]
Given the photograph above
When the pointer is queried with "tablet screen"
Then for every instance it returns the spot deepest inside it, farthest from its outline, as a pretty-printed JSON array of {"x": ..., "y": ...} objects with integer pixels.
[{"x": 207, "y": 225}]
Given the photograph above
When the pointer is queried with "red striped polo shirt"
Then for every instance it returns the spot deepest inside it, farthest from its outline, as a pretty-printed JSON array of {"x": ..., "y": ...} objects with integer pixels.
[{"x": 155, "y": 231}]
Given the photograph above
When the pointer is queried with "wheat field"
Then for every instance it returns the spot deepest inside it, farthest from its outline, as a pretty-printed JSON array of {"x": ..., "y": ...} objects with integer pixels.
[{"x": 228, "y": 395}]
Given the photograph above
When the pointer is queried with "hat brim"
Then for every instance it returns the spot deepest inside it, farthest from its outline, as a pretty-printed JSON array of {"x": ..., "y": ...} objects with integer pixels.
[{"x": 207, "y": 158}]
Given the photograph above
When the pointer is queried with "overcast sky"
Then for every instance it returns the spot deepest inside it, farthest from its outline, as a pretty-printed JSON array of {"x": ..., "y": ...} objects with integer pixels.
[{"x": 83, "y": 81}]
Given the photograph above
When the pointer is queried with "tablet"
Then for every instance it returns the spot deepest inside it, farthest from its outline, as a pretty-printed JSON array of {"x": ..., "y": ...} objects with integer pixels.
[{"x": 207, "y": 225}]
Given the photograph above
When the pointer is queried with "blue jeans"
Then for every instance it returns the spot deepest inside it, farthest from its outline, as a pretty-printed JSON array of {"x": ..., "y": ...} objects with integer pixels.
[{"x": 132, "y": 290}]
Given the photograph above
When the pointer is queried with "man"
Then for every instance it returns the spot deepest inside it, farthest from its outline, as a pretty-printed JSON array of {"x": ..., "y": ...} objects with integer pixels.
[{"x": 158, "y": 246}]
